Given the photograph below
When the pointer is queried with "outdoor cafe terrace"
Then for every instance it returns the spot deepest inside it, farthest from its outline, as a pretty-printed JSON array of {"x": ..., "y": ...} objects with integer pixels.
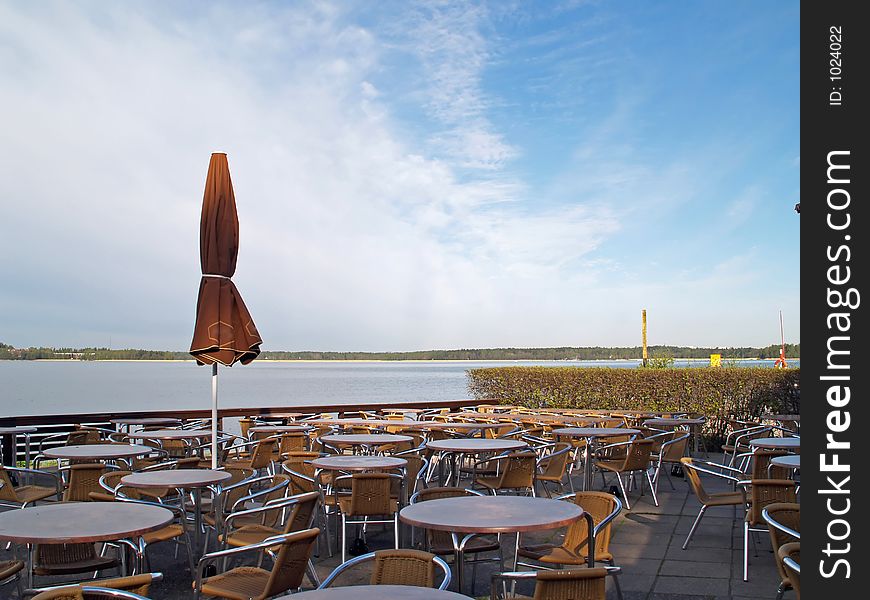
[{"x": 411, "y": 501}]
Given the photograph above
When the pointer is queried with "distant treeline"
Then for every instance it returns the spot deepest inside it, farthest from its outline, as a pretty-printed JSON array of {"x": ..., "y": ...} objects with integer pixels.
[{"x": 565, "y": 353}]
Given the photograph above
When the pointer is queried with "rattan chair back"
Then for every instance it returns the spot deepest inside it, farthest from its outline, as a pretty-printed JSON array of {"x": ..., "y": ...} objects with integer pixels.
[
  {"x": 574, "y": 584},
  {"x": 290, "y": 563},
  {"x": 83, "y": 479},
  {"x": 695, "y": 481},
  {"x": 761, "y": 461},
  {"x": 768, "y": 491},
  {"x": 7, "y": 490},
  {"x": 519, "y": 470},
  {"x": 637, "y": 455},
  {"x": 293, "y": 441},
  {"x": 672, "y": 453},
  {"x": 555, "y": 465},
  {"x": 404, "y": 567},
  {"x": 371, "y": 494},
  {"x": 599, "y": 505}
]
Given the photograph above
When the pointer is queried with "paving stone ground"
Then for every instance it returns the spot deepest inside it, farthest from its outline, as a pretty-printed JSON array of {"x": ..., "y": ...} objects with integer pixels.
[{"x": 646, "y": 543}]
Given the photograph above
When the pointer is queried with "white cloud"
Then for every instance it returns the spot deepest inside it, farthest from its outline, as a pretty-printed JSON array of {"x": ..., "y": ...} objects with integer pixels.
[{"x": 352, "y": 236}]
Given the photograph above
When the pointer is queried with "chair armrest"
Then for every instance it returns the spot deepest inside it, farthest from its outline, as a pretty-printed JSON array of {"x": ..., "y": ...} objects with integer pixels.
[{"x": 32, "y": 471}]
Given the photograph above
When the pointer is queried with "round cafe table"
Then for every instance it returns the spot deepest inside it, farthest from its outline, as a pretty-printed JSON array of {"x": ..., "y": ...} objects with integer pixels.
[
  {"x": 591, "y": 435},
  {"x": 789, "y": 461},
  {"x": 473, "y": 515},
  {"x": 377, "y": 592},
  {"x": 364, "y": 440},
  {"x": 97, "y": 451},
  {"x": 786, "y": 443},
  {"x": 79, "y": 522},
  {"x": 185, "y": 479},
  {"x": 358, "y": 463},
  {"x": 455, "y": 448}
]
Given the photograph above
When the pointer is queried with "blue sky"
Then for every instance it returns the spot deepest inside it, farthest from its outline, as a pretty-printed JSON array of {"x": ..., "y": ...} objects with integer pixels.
[{"x": 409, "y": 175}]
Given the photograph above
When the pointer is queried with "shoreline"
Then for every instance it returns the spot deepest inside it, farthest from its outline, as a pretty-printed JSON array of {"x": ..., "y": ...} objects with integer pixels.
[{"x": 377, "y": 360}]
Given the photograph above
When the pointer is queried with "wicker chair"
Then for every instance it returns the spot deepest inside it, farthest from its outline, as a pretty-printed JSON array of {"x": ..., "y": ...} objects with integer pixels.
[
  {"x": 574, "y": 549},
  {"x": 574, "y": 584},
  {"x": 398, "y": 567},
  {"x": 300, "y": 511},
  {"x": 693, "y": 468},
  {"x": 10, "y": 570},
  {"x": 761, "y": 493},
  {"x": 515, "y": 471},
  {"x": 670, "y": 453},
  {"x": 83, "y": 479},
  {"x": 24, "y": 495},
  {"x": 784, "y": 523},
  {"x": 371, "y": 495},
  {"x": 790, "y": 556},
  {"x": 293, "y": 441},
  {"x": 553, "y": 467},
  {"x": 441, "y": 542},
  {"x": 637, "y": 460},
  {"x": 261, "y": 455},
  {"x": 255, "y": 583}
]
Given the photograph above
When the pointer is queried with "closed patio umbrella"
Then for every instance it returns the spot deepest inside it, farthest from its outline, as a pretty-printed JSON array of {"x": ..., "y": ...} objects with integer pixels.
[{"x": 224, "y": 331}]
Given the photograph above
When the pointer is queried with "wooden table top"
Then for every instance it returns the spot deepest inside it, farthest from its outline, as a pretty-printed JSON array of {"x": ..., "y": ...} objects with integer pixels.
[
  {"x": 176, "y": 478},
  {"x": 790, "y": 461},
  {"x": 70, "y": 522},
  {"x": 97, "y": 451},
  {"x": 16, "y": 430},
  {"x": 145, "y": 421},
  {"x": 358, "y": 463},
  {"x": 787, "y": 442},
  {"x": 377, "y": 592},
  {"x": 673, "y": 422},
  {"x": 491, "y": 514},
  {"x": 593, "y": 432},
  {"x": 362, "y": 439},
  {"x": 280, "y": 428},
  {"x": 468, "y": 445},
  {"x": 171, "y": 434}
]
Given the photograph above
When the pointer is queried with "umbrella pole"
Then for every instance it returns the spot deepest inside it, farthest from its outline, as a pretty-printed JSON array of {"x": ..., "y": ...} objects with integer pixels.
[{"x": 214, "y": 416}]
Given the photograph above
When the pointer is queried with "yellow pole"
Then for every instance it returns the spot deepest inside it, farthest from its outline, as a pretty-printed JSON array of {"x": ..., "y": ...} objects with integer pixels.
[{"x": 645, "y": 353}]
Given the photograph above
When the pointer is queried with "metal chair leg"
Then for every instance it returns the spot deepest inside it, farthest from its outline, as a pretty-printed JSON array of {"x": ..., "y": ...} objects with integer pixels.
[{"x": 694, "y": 526}]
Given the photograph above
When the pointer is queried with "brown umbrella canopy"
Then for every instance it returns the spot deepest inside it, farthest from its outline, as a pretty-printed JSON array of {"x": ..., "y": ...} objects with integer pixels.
[{"x": 224, "y": 330}]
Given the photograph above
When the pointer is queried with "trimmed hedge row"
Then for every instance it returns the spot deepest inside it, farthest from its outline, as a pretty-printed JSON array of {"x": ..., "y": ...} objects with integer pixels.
[{"x": 718, "y": 393}]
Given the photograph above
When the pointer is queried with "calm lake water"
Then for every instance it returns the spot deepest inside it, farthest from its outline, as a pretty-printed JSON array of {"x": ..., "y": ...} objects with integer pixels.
[{"x": 60, "y": 387}]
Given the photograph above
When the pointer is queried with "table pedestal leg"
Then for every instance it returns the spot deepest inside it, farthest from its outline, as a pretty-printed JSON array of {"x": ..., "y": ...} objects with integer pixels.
[
  {"x": 197, "y": 517},
  {"x": 587, "y": 467}
]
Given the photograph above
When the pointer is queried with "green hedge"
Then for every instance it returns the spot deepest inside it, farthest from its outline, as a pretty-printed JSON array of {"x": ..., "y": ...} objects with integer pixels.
[{"x": 718, "y": 393}]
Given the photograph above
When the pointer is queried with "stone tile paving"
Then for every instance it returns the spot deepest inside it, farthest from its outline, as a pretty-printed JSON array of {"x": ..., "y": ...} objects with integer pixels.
[{"x": 646, "y": 542}]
